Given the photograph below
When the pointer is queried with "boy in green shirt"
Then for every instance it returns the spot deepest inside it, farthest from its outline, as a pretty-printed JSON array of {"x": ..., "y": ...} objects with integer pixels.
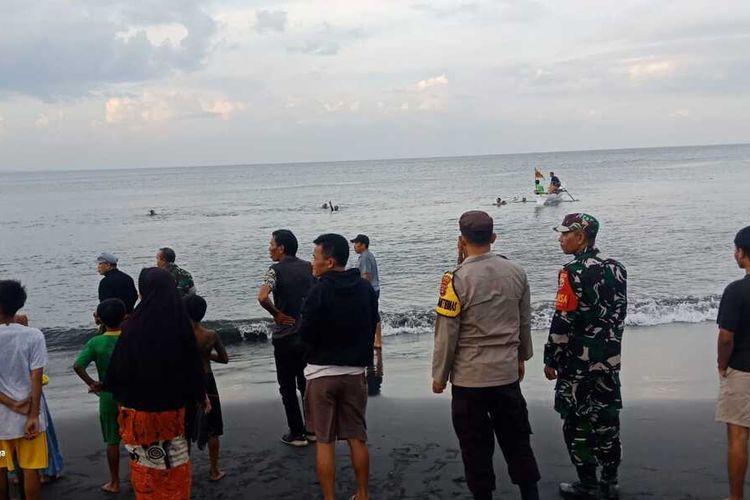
[{"x": 99, "y": 349}]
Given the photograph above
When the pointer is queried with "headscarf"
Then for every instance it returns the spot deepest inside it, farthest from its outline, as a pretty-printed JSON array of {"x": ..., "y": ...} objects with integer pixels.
[{"x": 155, "y": 365}]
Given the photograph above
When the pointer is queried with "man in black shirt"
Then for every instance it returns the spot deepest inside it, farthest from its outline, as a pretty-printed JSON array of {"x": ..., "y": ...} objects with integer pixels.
[
  {"x": 733, "y": 406},
  {"x": 338, "y": 325},
  {"x": 289, "y": 279},
  {"x": 554, "y": 183},
  {"x": 115, "y": 284}
]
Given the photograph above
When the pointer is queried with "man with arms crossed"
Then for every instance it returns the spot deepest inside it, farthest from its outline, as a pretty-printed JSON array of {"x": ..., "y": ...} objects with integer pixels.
[
  {"x": 482, "y": 340},
  {"x": 733, "y": 407}
]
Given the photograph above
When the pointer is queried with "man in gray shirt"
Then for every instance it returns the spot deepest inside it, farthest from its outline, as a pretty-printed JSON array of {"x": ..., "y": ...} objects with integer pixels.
[{"x": 368, "y": 269}]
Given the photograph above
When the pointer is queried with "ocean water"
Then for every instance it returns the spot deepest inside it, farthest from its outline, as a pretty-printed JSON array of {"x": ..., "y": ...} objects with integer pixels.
[{"x": 668, "y": 214}]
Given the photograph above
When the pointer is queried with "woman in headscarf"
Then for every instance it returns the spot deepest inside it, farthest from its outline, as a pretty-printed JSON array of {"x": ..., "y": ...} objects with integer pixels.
[{"x": 156, "y": 374}]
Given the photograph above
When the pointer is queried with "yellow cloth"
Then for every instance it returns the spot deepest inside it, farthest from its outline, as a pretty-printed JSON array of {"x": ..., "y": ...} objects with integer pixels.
[
  {"x": 29, "y": 453},
  {"x": 449, "y": 304}
]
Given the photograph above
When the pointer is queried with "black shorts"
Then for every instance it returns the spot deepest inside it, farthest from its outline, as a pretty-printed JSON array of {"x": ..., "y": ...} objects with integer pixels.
[{"x": 214, "y": 424}]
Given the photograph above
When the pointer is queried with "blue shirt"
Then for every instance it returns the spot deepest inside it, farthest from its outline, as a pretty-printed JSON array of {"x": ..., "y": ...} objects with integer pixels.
[{"x": 367, "y": 264}]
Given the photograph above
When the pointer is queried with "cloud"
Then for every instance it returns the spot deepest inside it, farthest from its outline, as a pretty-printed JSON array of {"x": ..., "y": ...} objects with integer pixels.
[
  {"x": 340, "y": 106},
  {"x": 162, "y": 106},
  {"x": 71, "y": 49},
  {"x": 435, "y": 81},
  {"x": 681, "y": 113},
  {"x": 651, "y": 69},
  {"x": 270, "y": 20},
  {"x": 325, "y": 41},
  {"x": 519, "y": 11},
  {"x": 42, "y": 121},
  {"x": 448, "y": 11}
]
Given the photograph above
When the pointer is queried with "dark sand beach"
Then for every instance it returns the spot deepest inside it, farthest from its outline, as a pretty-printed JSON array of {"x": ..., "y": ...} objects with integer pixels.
[{"x": 673, "y": 449}]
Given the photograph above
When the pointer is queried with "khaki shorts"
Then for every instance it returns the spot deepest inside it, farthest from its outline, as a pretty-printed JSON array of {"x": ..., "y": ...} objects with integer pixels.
[
  {"x": 29, "y": 453},
  {"x": 335, "y": 407},
  {"x": 733, "y": 406}
]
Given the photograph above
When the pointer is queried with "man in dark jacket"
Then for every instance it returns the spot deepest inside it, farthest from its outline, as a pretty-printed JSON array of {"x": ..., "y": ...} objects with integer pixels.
[
  {"x": 338, "y": 323},
  {"x": 288, "y": 279},
  {"x": 115, "y": 284}
]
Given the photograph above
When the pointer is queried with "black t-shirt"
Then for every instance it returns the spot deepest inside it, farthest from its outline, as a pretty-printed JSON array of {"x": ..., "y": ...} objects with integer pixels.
[
  {"x": 734, "y": 316},
  {"x": 290, "y": 279}
]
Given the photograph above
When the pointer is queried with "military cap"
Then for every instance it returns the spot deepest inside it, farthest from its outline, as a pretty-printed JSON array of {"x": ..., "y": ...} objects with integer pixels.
[{"x": 579, "y": 222}]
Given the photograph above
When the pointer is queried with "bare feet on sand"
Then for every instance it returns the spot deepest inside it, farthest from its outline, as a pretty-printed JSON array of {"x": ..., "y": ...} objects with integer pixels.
[
  {"x": 217, "y": 476},
  {"x": 111, "y": 488}
]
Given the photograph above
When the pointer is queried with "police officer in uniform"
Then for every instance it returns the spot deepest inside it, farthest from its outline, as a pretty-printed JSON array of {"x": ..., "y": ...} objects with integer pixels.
[
  {"x": 482, "y": 340},
  {"x": 583, "y": 355}
]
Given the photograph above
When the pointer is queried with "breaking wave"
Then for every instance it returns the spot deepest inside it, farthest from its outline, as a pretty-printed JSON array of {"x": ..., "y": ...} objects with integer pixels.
[{"x": 645, "y": 312}]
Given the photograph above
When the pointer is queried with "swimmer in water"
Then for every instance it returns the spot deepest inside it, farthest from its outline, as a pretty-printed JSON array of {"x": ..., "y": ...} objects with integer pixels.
[{"x": 151, "y": 213}]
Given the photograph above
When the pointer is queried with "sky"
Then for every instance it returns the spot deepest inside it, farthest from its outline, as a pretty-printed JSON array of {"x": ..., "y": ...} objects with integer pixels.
[{"x": 91, "y": 84}]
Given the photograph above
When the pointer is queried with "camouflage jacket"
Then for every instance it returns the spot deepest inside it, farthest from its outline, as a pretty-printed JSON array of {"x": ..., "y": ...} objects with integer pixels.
[
  {"x": 590, "y": 307},
  {"x": 185, "y": 285}
]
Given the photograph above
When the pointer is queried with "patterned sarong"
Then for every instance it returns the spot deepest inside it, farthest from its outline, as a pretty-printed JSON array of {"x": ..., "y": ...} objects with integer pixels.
[{"x": 160, "y": 466}]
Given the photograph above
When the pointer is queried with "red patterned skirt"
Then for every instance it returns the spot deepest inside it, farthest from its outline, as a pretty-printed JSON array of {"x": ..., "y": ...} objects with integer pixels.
[{"x": 160, "y": 467}]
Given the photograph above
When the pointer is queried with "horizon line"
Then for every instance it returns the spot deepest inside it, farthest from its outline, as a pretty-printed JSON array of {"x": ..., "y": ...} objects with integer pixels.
[{"x": 397, "y": 158}]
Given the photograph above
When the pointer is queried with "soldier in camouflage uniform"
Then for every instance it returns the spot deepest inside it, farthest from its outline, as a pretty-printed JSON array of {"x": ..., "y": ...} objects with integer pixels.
[
  {"x": 165, "y": 258},
  {"x": 583, "y": 355}
]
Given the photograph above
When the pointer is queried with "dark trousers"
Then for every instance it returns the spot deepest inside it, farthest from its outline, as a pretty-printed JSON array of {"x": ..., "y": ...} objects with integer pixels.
[
  {"x": 479, "y": 416},
  {"x": 290, "y": 365}
]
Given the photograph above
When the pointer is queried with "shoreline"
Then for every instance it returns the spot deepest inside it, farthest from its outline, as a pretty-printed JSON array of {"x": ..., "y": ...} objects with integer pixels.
[{"x": 672, "y": 450}]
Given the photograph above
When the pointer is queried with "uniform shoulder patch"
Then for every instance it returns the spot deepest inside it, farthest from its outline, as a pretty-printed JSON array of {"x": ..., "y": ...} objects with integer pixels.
[
  {"x": 448, "y": 304},
  {"x": 566, "y": 299}
]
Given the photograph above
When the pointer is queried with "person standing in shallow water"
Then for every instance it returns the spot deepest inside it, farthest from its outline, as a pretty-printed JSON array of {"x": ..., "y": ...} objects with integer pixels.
[
  {"x": 289, "y": 279},
  {"x": 482, "y": 341},
  {"x": 115, "y": 284},
  {"x": 368, "y": 269},
  {"x": 733, "y": 407},
  {"x": 165, "y": 259},
  {"x": 155, "y": 373},
  {"x": 583, "y": 355}
]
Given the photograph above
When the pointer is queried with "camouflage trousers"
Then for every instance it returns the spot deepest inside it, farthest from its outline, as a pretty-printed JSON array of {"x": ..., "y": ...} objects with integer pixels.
[{"x": 590, "y": 407}]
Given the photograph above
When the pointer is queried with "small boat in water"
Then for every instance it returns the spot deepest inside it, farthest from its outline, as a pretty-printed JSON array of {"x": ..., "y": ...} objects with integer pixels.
[{"x": 548, "y": 199}]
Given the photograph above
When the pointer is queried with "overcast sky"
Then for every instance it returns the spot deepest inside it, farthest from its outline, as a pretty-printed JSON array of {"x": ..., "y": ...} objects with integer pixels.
[{"x": 106, "y": 83}]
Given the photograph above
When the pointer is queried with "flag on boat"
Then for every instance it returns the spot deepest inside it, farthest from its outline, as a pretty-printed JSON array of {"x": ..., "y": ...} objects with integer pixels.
[{"x": 538, "y": 174}]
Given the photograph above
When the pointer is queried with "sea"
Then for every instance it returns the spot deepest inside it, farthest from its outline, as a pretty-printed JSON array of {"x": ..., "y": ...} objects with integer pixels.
[{"x": 668, "y": 214}]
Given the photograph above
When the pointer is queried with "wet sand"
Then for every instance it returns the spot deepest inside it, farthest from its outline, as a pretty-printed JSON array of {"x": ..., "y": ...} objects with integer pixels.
[{"x": 673, "y": 449}]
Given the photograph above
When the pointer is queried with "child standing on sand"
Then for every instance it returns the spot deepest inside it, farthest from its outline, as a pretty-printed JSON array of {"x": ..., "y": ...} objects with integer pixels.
[
  {"x": 208, "y": 341},
  {"x": 99, "y": 349},
  {"x": 23, "y": 421}
]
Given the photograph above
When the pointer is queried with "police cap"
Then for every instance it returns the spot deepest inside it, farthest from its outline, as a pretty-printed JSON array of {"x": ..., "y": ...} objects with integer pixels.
[{"x": 476, "y": 223}]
